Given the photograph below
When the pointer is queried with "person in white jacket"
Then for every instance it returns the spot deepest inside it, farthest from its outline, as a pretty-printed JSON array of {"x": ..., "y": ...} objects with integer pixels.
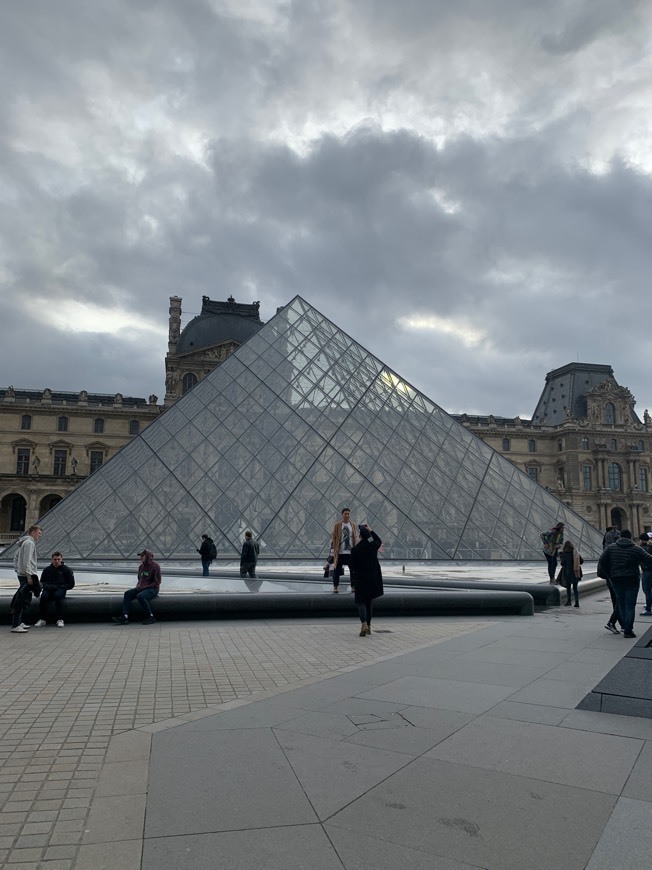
[
  {"x": 25, "y": 558},
  {"x": 26, "y": 569}
]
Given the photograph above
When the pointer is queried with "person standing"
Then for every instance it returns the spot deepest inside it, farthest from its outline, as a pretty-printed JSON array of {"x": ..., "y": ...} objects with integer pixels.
[
  {"x": 367, "y": 575},
  {"x": 26, "y": 568},
  {"x": 619, "y": 563},
  {"x": 552, "y": 541},
  {"x": 207, "y": 552},
  {"x": 343, "y": 539},
  {"x": 249, "y": 556},
  {"x": 56, "y": 580},
  {"x": 149, "y": 583},
  {"x": 25, "y": 557},
  {"x": 611, "y": 535},
  {"x": 571, "y": 562},
  {"x": 646, "y": 579}
]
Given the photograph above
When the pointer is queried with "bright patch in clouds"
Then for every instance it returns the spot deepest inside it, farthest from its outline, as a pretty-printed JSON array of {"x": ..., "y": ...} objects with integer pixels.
[
  {"x": 75, "y": 316},
  {"x": 432, "y": 323}
]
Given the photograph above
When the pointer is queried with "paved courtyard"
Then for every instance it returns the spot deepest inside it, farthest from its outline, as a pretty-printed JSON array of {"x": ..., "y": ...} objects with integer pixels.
[
  {"x": 66, "y": 692},
  {"x": 437, "y": 743}
]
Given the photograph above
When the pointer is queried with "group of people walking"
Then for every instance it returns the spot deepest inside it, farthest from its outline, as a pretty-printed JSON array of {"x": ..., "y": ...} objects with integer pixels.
[{"x": 620, "y": 565}]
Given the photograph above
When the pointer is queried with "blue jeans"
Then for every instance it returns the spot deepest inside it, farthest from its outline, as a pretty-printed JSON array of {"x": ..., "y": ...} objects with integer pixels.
[
  {"x": 143, "y": 596},
  {"x": 365, "y": 610},
  {"x": 646, "y": 583},
  {"x": 626, "y": 590},
  {"x": 17, "y": 615},
  {"x": 55, "y": 595},
  {"x": 205, "y": 565},
  {"x": 552, "y": 564}
]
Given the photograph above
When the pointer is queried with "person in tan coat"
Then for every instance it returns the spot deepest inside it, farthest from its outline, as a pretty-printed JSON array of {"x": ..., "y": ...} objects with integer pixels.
[{"x": 343, "y": 539}]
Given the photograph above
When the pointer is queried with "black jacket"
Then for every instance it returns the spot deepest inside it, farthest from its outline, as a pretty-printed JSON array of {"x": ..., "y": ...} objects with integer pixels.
[
  {"x": 205, "y": 550},
  {"x": 623, "y": 559},
  {"x": 57, "y": 578},
  {"x": 365, "y": 569},
  {"x": 250, "y": 551}
]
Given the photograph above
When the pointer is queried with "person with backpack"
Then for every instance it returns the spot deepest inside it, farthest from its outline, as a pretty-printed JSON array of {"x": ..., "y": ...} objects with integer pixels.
[
  {"x": 207, "y": 552},
  {"x": 552, "y": 541}
]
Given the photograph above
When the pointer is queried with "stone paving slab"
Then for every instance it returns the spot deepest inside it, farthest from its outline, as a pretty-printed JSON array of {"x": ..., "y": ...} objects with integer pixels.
[
  {"x": 480, "y": 817},
  {"x": 626, "y": 842},
  {"x": 536, "y": 751}
]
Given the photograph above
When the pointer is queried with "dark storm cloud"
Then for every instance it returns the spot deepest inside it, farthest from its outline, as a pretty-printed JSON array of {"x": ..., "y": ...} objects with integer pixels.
[{"x": 450, "y": 183}]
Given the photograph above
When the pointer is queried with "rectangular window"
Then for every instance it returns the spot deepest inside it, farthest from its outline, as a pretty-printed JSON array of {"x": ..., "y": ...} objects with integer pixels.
[
  {"x": 22, "y": 460},
  {"x": 533, "y": 472},
  {"x": 60, "y": 457},
  {"x": 133, "y": 427},
  {"x": 98, "y": 426},
  {"x": 587, "y": 480},
  {"x": 643, "y": 480},
  {"x": 97, "y": 458}
]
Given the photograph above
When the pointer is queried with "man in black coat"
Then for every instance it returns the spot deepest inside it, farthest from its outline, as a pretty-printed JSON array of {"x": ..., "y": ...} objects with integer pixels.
[
  {"x": 366, "y": 575},
  {"x": 56, "y": 580},
  {"x": 619, "y": 563}
]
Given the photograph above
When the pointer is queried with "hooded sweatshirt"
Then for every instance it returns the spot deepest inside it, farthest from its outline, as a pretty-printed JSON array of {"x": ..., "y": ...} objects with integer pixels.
[{"x": 149, "y": 572}]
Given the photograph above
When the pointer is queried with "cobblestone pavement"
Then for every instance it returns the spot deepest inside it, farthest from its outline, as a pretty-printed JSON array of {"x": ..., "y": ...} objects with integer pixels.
[{"x": 66, "y": 692}]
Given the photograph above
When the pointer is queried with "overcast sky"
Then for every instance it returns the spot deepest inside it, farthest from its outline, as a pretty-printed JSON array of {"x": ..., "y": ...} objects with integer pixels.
[{"x": 465, "y": 187}]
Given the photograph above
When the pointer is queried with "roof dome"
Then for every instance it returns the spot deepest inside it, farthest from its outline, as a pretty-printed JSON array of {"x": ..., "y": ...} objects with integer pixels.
[{"x": 219, "y": 322}]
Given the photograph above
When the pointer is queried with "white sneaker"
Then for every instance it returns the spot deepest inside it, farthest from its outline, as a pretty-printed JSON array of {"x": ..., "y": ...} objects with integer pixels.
[
  {"x": 40, "y": 623},
  {"x": 59, "y": 623},
  {"x": 20, "y": 629},
  {"x": 25, "y": 626}
]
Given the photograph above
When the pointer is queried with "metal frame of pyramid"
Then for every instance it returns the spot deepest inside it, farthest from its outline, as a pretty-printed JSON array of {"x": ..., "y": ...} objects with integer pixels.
[{"x": 299, "y": 422}]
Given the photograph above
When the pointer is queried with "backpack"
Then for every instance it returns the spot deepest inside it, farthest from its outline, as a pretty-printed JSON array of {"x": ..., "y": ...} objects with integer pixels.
[{"x": 212, "y": 551}]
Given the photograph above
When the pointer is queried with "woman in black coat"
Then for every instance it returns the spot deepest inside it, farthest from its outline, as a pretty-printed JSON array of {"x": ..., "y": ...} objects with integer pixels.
[{"x": 366, "y": 574}]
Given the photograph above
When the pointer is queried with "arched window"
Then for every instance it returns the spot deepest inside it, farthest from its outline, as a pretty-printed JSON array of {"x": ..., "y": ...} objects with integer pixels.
[
  {"x": 585, "y": 443},
  {"x": 62, "y": 424},
  {"x": 98, "y": 426},
  {"x": 505, "y": 443},
  {"x": 18, "y": 514},
  {"x": 643, "y": 483},
  {"x": 26, "y": 421},
  {"x": 615, "y": 477},
  {"x": 188, "y": 382},
  {"x": 609, "y": 413},
  {"x": 532, "y": 446}
]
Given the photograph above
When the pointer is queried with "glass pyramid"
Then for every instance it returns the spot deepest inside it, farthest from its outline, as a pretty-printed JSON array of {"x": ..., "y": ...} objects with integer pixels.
[{"x": 298, "y": 423}]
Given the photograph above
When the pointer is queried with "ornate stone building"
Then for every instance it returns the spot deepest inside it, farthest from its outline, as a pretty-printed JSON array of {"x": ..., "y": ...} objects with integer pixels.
[
  {"x": 585, "y": 443},
  {"x": 206, "y": 341},
  {"x": 50, "y": 440}
]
